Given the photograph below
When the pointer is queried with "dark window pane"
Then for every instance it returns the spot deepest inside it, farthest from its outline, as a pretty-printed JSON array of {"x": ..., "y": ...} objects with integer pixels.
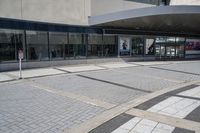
[
  {"x": 76, "y": 47},
  {"x": 138, "y": 46},
  {"x": 57, "y": 42},
  {"x": 37, "y": 45},
  {"x": 95, "y": 45},
  {"x": 110, "y": 45},
  {"x": 10, "y": 42}
]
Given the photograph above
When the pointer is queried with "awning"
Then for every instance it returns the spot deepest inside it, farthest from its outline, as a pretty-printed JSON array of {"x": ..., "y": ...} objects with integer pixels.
[{"x": 179, "y": 19}]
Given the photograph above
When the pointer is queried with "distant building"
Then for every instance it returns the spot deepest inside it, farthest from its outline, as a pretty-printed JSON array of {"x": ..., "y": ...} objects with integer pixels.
[{"x": 52, "y": 32}]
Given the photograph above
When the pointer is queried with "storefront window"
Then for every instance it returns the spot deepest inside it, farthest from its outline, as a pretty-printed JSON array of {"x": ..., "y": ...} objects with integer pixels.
[
  {"x": 37, "y": 45},
  {"x": 110, "y": 45},
  {"x": 10, "y": 42},
  {"x": 124, "y": 45},
  {"x": 180, "y": 40},
  {"x": 138, "y": 46},
  {"x": 149, "y": 46},
  {"x": 95, "y": 45},
  {"x": 165, "y": 39},
  {"x": 76, "y": 47},
  {"x": 192, "y": 47},
  {"x": 57, "y": 42}
]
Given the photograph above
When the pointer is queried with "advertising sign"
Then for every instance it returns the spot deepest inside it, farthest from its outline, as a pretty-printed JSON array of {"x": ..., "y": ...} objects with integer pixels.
[
  {"x": 192, "y": 46},
  {"x": 124, "y": 43}
]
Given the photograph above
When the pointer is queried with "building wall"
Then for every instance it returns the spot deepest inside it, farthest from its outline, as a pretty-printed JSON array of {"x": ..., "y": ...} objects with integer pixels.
[
  {"x": 99, "y": 7},
  {"x": 74, "y": 12},
  {"x": 185, "y": 2}
]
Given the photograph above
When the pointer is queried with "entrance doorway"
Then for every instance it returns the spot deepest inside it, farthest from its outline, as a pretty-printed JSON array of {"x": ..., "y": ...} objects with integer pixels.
[{"x": 169, "y": 51}]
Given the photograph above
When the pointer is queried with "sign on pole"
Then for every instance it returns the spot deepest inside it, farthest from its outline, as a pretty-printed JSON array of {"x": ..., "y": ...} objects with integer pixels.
[{"x": 20, "y": 56}]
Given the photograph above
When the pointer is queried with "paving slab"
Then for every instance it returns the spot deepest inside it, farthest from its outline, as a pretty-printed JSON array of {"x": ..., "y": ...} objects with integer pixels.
[
  {"x": 36, "y": 72},
  {"x": 116, "y": 65},
  {"x": 195, "y": 92},
  {"x": 176, "y": 107},
  {"x": 189, "y": 67},
  {"x": 4, "y": 77},
  {"x": 125, "y": 123},
  {"x": 94, "y": 89},
  {"x": 24, "y": 108},
  {"x": 185, "y": 125},
  {"x": 146, "y": 83},
  {"x": 151, "y": 63},
  {"x": 146, "y": 71},
  {"x": 165, "y": 119},
  {"x": 80, "y": 68}
]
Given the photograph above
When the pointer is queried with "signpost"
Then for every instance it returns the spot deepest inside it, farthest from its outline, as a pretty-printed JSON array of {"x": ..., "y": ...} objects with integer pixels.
[{"x": 20, "y": 56}]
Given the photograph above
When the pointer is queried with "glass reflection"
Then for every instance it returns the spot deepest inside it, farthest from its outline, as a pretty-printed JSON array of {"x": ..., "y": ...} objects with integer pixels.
[
  {"x": 10, "y": 42},
  {"x": 76, "y": 47},
  {"x": 57, "y": 42},
  {"x": 37, "y": 45},
  {"x": 110, "y": 46},
  {"x": 95, "y": 45},
  {"x": 138, "y": 46}
]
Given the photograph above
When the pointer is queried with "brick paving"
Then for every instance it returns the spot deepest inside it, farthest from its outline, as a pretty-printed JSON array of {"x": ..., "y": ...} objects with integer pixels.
[{"x": 25, "y": 108}]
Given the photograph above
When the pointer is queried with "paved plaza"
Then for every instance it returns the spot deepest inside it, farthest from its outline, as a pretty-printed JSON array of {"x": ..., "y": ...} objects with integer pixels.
[{"x": 123, "y": 97}]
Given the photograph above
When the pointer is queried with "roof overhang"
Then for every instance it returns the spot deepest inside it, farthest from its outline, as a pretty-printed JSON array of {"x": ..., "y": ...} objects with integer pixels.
[{"x": 177, "y": 19}]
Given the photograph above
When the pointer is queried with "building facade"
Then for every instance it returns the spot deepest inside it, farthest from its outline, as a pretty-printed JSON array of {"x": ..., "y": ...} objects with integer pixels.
[{"x": 76, "y": 31}]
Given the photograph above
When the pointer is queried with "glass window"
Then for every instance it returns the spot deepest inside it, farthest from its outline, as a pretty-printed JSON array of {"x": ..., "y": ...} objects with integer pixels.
[
  {"x": 163, "y": 2},
  {"x": 180, "y": 40},
  {"x": 171, "y": 39},
  {"x": 161, "y": 40},
  {"x": 57, "y": 42},
  {"x": 37, "y": 45},
  {"x": 149, "y": 46},
  {"x": 76, "y": 47},
  {"x": 124, "y": 45},
  {"x": 110, "y": 45},
  {"x": 165, "y": 40},
  {"x": 138, "y": 46},
  {"x": 95, "y": 45},
  {"x": 192, "y": 47},
  {"x": 10, "y": 42}
]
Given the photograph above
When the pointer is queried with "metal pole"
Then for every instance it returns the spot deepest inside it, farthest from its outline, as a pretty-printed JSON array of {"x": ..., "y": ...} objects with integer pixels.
[{"x": 20, "y": 68}]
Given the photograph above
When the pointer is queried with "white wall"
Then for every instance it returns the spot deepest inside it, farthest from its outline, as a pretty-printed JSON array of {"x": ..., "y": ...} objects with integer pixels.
[
  {"x": 74, "y": 12},
  {"x": 185, "y": 2},
  {"x": 100, "y": 7},
  {"x": 10, "y": 8}
]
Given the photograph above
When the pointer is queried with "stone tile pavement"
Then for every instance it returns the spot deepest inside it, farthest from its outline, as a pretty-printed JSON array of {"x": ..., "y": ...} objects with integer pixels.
[
  {"x": 58, "y": 99},
  {"x": 130, "y": 79},
  {"x": 24, "y": 108},
  {"x": 36, "y": 72},
  {"x": 80, "y": 68},
  {"x": 185, "y": 67},
  {"x": 90, "y": 88},
  {"x": 4, "y": 77},
  {"x": 176, "y": 114}
]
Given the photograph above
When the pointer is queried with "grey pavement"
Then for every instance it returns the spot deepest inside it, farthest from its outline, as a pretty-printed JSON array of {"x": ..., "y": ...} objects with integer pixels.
[
  {"x": 61, "y": 99},
  {"x": 24, "y": 108}
]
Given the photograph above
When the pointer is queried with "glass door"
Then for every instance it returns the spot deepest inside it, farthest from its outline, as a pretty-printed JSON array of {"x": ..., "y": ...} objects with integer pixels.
[
  {"x": 160, "y": 51},
  {"x": 170, "y": 52}
]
